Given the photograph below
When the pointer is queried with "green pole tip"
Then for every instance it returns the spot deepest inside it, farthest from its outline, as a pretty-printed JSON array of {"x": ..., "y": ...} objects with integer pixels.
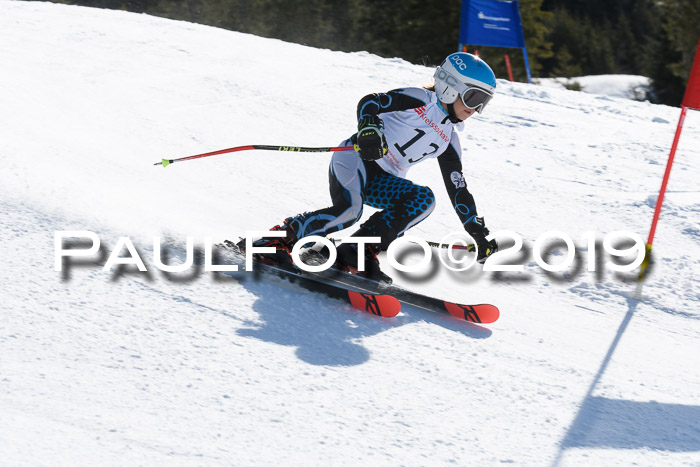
[{"x": 165, "y": 162}]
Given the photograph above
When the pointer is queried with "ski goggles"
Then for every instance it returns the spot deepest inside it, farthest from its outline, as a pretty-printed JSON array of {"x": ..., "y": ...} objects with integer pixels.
[{"x": 475, "y": 98}]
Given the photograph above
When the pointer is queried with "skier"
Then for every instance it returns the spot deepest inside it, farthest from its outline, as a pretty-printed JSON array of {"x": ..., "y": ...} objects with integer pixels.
[{"x": 396, "y": 130}]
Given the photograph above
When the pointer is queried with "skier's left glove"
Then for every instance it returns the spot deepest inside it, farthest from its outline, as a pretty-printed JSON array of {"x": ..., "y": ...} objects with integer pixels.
[
  {"x": 370, "y": 141},
  {"x": 485, "y": 248}
]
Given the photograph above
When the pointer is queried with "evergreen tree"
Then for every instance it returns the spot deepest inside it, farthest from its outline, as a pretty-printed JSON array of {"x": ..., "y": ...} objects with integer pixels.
[
  {"x": 655, "y": 38},
  {"x": 682, "y": 27},
  {"x": 536, "y": 26},
  {"x": 674, "y": 50},
  {"x": 566, "y": 67}
]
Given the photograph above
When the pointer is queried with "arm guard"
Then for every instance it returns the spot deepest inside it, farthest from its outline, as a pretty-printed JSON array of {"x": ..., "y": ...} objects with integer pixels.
[{"x": 462, "y": 200}]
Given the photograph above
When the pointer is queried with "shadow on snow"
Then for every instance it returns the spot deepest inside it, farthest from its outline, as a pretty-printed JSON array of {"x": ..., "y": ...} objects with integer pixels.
[
  {"x": 327, "y": 331},
  {"x": 624, "y": 424}
]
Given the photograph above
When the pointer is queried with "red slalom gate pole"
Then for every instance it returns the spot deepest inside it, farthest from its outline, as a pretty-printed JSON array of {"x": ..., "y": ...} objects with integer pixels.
[
  {"x": 691, "y": 100},
  {"x": 667, "y": 174},
  {"x": 662, "y": 192},
  {"x": 167, "y": 162},
  {"x": 510, "y": 70}
]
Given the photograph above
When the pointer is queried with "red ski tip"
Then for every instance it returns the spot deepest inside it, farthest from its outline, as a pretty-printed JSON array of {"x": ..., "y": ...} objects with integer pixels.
[
  {"x": 473, "y": 313},
  {"x": 385, "y": 306}
]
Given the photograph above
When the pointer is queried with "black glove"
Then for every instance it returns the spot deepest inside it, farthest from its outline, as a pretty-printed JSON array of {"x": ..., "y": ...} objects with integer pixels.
[
  {"x": 370, "y": 141},
  {"x": 477, "y": 229}
]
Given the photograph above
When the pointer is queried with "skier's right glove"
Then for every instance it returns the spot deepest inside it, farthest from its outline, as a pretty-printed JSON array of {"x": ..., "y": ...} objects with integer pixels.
[
  {"x": 370, "y": 141},
  {"x": 478, "y": 231}
]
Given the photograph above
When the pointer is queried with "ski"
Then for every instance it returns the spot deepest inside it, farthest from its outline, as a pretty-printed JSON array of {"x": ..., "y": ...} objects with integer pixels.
[
  {"x": 368, "y": 295},
  {"x": 482, "y": 313},
  {"x": 378, "y": 304}
]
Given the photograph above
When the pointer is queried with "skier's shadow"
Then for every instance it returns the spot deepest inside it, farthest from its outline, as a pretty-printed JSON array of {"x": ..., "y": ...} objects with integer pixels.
[{"x": 325, "y": 331}]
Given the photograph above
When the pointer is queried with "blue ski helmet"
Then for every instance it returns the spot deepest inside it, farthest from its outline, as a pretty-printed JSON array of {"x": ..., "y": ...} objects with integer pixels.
[{"x": 458, "y": 73}]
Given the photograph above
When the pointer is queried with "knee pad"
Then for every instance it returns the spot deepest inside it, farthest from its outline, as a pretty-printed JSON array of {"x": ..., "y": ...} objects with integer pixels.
[{"x": 421, "y": 201}]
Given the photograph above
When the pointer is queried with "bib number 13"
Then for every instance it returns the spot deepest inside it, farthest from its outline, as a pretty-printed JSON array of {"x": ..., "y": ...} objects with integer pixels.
[{"x": 411, "y": 142}]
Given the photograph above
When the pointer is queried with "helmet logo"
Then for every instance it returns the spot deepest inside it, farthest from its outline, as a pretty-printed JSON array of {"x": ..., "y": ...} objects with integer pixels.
[
  {"x": 450, "y": 80},
  {"x": 459, "y": 63}
]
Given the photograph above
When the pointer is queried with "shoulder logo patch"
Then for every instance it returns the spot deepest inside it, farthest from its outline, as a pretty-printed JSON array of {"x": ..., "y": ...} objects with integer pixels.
[{"x": 458, "y": 180}]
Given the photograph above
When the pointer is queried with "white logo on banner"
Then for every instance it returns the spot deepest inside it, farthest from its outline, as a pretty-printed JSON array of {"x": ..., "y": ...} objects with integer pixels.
[{"x": 481, "y": 15}]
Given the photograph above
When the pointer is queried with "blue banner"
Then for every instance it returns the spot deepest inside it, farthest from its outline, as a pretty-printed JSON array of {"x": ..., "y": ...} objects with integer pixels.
[{"x": 490, "y": 22}]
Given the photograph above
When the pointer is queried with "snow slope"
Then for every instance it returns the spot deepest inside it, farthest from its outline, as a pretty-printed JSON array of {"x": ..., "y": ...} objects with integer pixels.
[
  {"x": 625, "y": 86},
  {"x": 123, "y": 367}
]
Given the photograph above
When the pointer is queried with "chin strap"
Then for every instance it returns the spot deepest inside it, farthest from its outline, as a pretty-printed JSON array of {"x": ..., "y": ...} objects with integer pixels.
[{"x": 452, "y": 114}]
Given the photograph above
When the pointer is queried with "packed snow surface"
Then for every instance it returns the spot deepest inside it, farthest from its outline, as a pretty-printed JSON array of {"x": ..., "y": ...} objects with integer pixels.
[
  {"x": 625, "y": 86},
  {"x": 123, "y": 367}
]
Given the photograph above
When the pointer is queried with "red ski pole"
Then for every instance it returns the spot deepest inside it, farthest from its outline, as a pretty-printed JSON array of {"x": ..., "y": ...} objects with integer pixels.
[
  {"x": 469, "y": 247},
  {"x": 167, "y": 162}
]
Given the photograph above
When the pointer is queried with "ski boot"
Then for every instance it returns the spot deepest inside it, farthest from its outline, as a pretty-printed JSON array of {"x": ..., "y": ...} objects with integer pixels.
[
  {"x": 282, "y": 255},
  {"x": 347, "y": 261}
]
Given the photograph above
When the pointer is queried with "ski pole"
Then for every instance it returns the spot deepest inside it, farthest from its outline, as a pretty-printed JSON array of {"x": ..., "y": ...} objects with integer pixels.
[
  {"x": 167, "y": 162},
  {"x": 469, "y": 247}
]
